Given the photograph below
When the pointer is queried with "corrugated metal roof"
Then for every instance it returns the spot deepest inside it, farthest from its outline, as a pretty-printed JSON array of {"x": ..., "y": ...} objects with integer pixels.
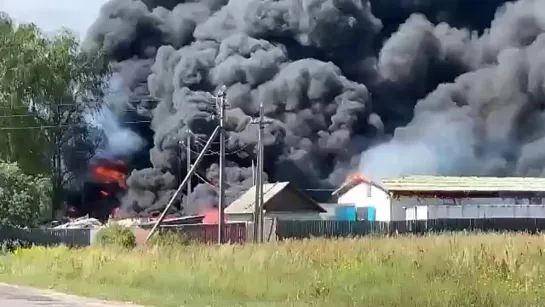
[
  {"x": 476, "y": 184},
  {"x": 246, "y": 203}
]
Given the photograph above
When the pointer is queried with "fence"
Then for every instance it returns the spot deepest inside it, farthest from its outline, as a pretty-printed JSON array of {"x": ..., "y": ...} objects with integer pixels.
[
  {"x": 45, "y": 237},
  {"x": 282, "y": 229},
  {"x": 306, "y": 229},
  {"x": 323, "y": 228},
  {"x": 208, "y": 233},
  {"x": 233, "y": 233}
]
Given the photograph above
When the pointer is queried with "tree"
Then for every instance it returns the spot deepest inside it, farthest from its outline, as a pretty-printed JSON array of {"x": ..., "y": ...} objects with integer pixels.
[
  {"x": 46, "y": 86},
  {"x": 24, "y": 199}
]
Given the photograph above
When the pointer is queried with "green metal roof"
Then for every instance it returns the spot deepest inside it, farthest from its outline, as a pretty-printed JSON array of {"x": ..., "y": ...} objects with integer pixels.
[{"x": 471, "y": 184}]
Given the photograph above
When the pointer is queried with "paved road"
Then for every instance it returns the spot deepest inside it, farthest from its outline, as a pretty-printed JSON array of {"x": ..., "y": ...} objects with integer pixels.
[{"x": 16, "y": 296}]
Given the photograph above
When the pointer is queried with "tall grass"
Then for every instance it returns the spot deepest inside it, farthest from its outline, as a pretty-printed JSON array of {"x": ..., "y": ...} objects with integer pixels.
[{"x": 468, "y": 270}]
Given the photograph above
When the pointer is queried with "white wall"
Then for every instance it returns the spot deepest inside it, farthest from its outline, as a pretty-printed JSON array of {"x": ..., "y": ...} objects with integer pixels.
[
  {"x": 366, "y": 195},
  {"x": 403, "y": 208},
  {"x": 411, "y": 208},
  {"x": 418, "y": 213},
  {"x": 487, "y": 211},
  {"x": 234, "y": 218}
]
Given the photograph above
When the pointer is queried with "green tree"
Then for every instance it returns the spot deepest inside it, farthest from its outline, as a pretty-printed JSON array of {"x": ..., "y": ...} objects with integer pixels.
[
  {"x": 24, "y": 199},
  {"x": 46, "y": 85}
]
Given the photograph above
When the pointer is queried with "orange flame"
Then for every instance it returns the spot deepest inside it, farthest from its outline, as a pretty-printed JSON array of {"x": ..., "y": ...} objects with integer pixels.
[
  {"x": 104, "y": 193},
  {"x": 357, "y": 177},
  {"x": 211, "y": 216},
  {"x": 108, "y": 174}
]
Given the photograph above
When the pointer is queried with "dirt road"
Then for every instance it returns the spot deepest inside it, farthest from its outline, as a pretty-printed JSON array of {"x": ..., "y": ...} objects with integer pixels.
[{"x": 17, "y": 296}]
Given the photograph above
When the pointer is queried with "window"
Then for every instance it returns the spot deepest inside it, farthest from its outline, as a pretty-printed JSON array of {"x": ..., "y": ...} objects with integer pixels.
[{"x": 369, "y": 188}]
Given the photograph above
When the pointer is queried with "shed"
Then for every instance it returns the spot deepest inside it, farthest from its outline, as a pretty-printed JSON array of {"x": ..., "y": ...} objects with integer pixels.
[
  {"x": 433, "y": 197},
  {"x": 281, "y": 200}
]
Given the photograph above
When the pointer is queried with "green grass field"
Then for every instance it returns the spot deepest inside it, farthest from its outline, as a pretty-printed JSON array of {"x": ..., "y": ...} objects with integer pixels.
[{"x": 464, "y": 270}]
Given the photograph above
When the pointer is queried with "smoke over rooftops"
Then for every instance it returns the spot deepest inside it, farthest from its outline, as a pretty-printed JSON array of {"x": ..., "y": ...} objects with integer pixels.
[{"x": 460, "y": 80}]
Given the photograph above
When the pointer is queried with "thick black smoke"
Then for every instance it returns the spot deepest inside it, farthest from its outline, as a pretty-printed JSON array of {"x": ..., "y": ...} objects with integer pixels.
[
  {"x": 489, "y": 120},
  {"x": 336, "y": 77}
]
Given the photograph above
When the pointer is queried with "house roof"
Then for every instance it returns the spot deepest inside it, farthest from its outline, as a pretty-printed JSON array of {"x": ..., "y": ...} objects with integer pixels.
[
  {"x": 298, "y": 200},
  {"x": 347, "y": 186},
  {"x": 469, "y": 184},
  {"x": 453, "y": 184}
]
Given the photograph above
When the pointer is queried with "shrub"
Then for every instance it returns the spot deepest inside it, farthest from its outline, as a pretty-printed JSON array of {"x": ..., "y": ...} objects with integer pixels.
[
  {"x": 115, "y": 235},
  {"x": 23, "y": 198},
  {"x": 9, "y": 246},
  {"x": 166, "y": 238}
]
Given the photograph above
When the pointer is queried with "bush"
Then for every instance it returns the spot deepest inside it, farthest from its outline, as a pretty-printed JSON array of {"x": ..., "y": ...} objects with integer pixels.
[
  {"x": 24, "y": 199},
  {"x": 9, "y": 246},
  {"x": 118, "y": 236},
  {"x": 166, "y": 238}
]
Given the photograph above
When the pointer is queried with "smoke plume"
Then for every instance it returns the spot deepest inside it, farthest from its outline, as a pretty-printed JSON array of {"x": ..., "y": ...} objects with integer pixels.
[
  {"x": 418, "y": 87},
  {"x": 118, "y": 140},
  {"x": 488, "y": 120}
]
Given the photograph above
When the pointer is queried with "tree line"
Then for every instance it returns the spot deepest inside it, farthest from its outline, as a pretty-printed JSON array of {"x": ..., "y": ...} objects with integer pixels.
[{"x": 47, "y": 84}]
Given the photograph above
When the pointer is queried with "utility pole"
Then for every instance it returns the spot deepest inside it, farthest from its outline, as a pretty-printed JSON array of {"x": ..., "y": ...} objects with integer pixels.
[
  {"x": 179, "y": 190},
  {"x": 257, "y": 207},
  {"x": 220, "y": 101},
  {"x": 188, "y": 157},
  {"x": 259, "y": 219},
  {"x": 253, "y": 172},
  {"x": 255, "y": 179}
]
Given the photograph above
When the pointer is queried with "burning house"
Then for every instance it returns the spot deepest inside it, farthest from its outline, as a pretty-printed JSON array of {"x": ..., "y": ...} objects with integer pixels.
[
  {"x": 392, "y": 87},
  {"x": 435, "y": 197}
]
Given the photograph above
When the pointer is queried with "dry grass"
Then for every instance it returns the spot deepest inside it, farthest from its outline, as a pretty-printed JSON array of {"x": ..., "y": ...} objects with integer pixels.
[{"x": 464, "y": 270}]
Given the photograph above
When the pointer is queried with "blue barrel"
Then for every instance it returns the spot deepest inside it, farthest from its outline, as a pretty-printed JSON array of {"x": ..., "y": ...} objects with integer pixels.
[
  {"x": 345, "y": 213},
  {"x": 371, "y": 214}
]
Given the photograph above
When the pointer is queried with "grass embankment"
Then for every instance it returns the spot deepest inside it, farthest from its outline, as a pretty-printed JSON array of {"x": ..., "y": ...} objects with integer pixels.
[{"x": 473, "y": 270}]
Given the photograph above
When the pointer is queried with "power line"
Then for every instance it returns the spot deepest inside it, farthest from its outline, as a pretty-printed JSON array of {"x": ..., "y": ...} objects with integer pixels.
[
  {"x": 30, "y": 106},
  {"x": 19, "y": 115},
  {"x": 90, "y": 103},
  {"x": 195, "y": 152},
  {"x": 198, "y": 137},
  {"x": 58, "y": 126},
  {"x": 233, "y": 152},
  {"x": 228, "y": 153},
  {"x": 36, "y": 114}
]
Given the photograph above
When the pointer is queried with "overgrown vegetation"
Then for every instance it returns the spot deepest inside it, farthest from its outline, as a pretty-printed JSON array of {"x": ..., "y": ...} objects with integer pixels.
[
  {"x": 47, "y": 85},
  {"x": 116, "y": 236},
  {"x": 24, "y": 199},
  {"x": 169, "y": 239},
  {"x": 9, "y": 246},
  {"x": 472, "y": 270}
]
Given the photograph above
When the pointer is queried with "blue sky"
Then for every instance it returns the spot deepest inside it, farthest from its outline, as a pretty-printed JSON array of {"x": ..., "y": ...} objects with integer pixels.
[{"x": 51, "y": 15}]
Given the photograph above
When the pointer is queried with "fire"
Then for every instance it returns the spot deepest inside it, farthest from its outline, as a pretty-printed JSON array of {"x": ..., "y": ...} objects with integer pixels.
[
  {"x": 357, "y": 177},
  {"x": 108, "y": 173},
  {"x": 104, "y": 193},
  {"x": 211, "y": 216}
]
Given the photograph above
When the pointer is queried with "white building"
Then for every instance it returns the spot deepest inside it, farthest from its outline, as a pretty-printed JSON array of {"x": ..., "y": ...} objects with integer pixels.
[{"x": 430, "y": 197}]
